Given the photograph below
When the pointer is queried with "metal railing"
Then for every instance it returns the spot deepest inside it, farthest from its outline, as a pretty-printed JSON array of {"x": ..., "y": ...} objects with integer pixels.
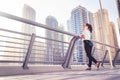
[
  {"x": 32, "y": 51},
  {"x": 19, "y": 49}
]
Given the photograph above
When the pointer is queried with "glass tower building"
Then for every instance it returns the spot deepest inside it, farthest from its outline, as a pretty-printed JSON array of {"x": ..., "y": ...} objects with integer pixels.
[
  {"x": 79, "y": 17},
  {"x": 51, "y": 45}
]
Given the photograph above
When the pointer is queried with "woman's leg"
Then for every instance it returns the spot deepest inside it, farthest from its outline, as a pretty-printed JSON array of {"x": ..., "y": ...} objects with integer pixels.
[
  {"x": 88, "y": 50},
  {"x": 92, "y": 58}
]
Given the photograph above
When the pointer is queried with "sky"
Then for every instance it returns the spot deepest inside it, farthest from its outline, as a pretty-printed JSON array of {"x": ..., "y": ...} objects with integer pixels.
[{"x": 60, "y": 9}]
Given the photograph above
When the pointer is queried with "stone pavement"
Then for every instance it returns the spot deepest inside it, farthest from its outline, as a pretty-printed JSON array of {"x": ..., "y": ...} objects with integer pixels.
[{"x": 103, "y": 74}]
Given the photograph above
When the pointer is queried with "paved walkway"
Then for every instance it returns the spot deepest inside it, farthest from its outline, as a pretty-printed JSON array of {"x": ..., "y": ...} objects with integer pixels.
[{"x": 104, "y": 74}]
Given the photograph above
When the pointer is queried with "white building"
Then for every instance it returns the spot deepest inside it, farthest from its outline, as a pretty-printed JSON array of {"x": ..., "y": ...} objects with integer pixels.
[{"x": 28, "y": 13}]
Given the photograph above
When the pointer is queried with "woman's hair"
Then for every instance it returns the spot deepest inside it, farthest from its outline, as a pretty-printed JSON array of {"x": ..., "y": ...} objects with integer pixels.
[{"x": 89, "y": 27}]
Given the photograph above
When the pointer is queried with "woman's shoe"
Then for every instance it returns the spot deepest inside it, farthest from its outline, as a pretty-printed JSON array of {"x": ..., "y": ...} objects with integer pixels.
[
  {"x": 88, "y": 68},
  {"x": 98, "y": 65}
]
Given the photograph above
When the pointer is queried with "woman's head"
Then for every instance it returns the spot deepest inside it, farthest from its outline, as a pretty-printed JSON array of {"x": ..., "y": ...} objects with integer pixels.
[{"x": 88, "y": 26}]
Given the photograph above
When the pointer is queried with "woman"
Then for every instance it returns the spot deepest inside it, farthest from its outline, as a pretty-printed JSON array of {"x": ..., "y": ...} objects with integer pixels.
[{"x": 86, "y": 36}]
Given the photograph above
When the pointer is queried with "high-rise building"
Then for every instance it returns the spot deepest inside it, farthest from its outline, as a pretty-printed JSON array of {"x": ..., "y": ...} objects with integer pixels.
[
  {"x": 90, "y": 20},
  {"x": 98, "y": 29},
  {"x": 69, "y": 26},
  {"x": 62, "y": 46},
  {"x": 52, "y": 46},
  {"x": 28, "y": 13},
  {"x": 118, "y": 7},
  {"x": 113, "y": 38},
  {"x": 103, "y": 31},
  {"x": 70, "y": 29},
  {"x": 79, "y": 17}
]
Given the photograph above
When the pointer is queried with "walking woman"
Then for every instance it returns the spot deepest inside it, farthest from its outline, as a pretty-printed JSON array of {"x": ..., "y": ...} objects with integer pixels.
[{"x": 86, "y": 37}]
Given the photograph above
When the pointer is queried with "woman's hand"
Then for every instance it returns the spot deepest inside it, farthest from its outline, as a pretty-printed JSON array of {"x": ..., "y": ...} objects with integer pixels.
[{"x": 82, "y": 36}]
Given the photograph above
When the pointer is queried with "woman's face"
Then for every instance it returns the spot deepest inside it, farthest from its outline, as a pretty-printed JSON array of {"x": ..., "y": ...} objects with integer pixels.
[{"x": 85, "y": 27}]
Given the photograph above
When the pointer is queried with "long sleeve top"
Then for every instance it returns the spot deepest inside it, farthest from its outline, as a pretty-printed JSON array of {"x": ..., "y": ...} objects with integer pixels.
[{"x": 87, "y": 35}]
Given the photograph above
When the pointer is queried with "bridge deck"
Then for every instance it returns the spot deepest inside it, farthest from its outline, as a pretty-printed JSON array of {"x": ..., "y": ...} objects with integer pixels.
[{"x": 102, "y": 74}]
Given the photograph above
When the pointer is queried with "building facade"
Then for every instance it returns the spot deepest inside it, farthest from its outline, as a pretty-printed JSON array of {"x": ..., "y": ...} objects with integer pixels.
[
  {"x": 28, "y": 13},
  {"x": 52, "y": 46},
  {"x": 103, "y": 32},
  {"x": 79, "y": 17},
  {"x": 118, "y": 7}
]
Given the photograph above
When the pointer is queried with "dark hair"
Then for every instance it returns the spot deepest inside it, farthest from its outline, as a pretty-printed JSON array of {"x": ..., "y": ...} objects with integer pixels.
[{"x": 89, "y": 27}]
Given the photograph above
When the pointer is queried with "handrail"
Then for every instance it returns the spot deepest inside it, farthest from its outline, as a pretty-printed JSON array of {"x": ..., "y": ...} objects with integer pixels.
[
  {"x": 26, "y": 34},
  {"x": 15, "y": 32},
  {"x": 33, "y": 23},
  {"x": 66, "y": 63},
  {"x": 116, "y": 55},
  {"x": 105, "y": 44}
]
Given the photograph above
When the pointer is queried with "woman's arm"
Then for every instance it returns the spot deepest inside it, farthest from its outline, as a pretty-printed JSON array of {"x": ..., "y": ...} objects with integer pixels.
[{"x": 81, "y": 36}]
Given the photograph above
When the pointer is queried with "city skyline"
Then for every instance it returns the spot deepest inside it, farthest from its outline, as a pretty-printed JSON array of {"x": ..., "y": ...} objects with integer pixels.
[
  {"x": 36, "y": 4},
  {"x": 58, "y": 9}
]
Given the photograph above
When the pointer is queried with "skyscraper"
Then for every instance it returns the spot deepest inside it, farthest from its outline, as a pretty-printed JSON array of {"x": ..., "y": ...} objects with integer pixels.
[
  {"x": 90, "y": 20},
  {"x": 118, "y": 7},
  {"x": 79, "y": 17},
  {"x": 103, "y": 30},
  {"x": 52, "y": 46},
  {"x": 61, "y": 44},
  {"x": 101, "y": 24},
  {"x": 69, "y": 26},
  {"x": 113, "y": 38},
  {"x": 28, "y": 13}
]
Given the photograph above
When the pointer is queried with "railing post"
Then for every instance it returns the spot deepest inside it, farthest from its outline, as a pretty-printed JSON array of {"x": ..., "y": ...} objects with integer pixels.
[
  {"x": 116, "y": 55},
  {"x": 68, "y": 56},
  {"x": 104, "y": 57},
  {"x": 29, "y": 50},
  {"x": 110, "y": 58},
  {"x": 93, "y": 50}
]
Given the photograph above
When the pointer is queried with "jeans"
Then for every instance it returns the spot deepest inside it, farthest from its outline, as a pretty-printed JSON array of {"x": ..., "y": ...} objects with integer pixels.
[{"x": 88, "y": 49}]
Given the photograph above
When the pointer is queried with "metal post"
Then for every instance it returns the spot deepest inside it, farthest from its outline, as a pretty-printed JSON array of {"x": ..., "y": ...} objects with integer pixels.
[
  {"x": 66, "y": 63},
  {"x": 116, "y": 55},
  {"x": 110, "y": 58},
  {"x": 93, "y": 50},
  {"x": 104, "y": 58},
  {"x": 25, "y": 63}
]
